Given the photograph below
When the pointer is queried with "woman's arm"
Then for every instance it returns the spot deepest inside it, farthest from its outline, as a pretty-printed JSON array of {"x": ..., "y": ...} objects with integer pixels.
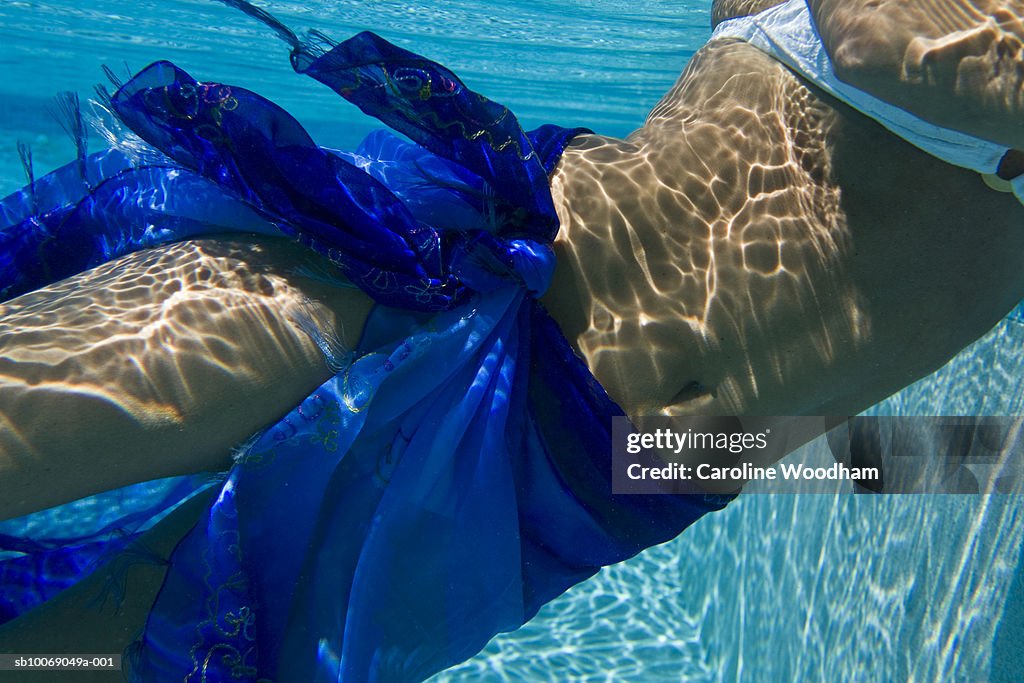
[{"x": 955, "y": 63}]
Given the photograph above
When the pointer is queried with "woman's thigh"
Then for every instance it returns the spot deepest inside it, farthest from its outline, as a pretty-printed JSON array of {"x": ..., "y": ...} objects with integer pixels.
[
  {"x": 88, "y": 618},
  {"x": 159, "y": 363}
]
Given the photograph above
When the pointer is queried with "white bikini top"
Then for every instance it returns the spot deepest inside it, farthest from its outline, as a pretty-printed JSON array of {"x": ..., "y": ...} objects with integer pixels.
[{"x": 787, "y": 33}]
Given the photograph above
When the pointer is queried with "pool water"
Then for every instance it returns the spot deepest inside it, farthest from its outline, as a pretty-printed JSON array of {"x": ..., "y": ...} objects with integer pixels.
[
  {"x": 774, "y": 588},
  {"x": 605, "y": 73}
]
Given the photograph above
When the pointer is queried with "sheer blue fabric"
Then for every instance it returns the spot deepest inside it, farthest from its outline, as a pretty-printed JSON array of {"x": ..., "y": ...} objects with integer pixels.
[{"x": 454, "y": 476}]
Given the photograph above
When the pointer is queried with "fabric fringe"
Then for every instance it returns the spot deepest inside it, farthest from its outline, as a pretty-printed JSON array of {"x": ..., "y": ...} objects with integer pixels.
[
  {"x": 104, "y": 122},
  {"x": 69, "y": 115},
  {"x": 317, "y": 44},
  {"x": 25, "y": 154},
  {"x": 241, "y": 451},
  {"x": 336, "y": 355},
  {"x": 112, "y": 77},
  {"x": 268, "y": 19}
]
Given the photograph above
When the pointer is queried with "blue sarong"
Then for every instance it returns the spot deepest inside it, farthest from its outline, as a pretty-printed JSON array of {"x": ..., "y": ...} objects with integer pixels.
[{"x": 452, "y": 478}]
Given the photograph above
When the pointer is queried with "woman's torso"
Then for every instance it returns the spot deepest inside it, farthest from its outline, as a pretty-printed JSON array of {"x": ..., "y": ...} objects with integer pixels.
[{"x": 760, "y": 248}]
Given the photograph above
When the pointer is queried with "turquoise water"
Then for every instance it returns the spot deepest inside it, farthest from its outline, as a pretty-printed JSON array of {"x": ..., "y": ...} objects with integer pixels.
[
  {"x": 606, "y": 73},
  {"x": 824, "y": 587}
]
